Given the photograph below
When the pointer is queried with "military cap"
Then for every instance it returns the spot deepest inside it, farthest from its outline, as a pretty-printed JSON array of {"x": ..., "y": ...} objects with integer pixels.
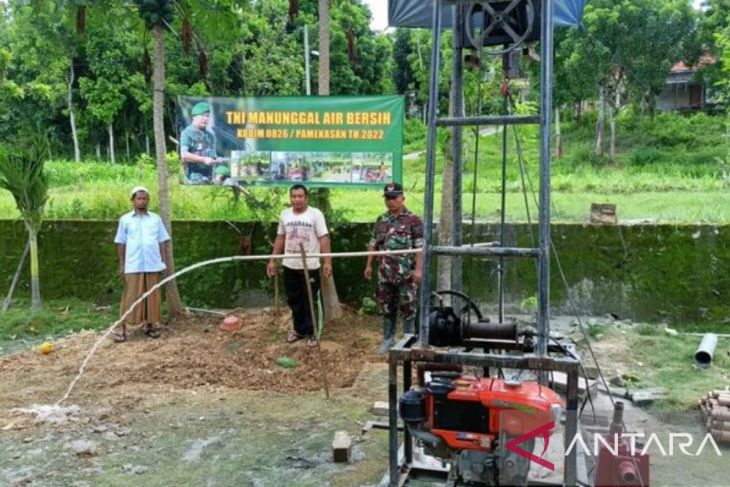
[
  {"x": 222, "y": 171},
  {"x": 393, "y": 189},
  {"x": 201, "y": 108}
]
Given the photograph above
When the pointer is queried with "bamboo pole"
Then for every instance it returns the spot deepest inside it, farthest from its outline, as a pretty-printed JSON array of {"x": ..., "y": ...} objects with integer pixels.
[
  {"x": 277, "y": 308},
  {"x": 310, "y": 297}
]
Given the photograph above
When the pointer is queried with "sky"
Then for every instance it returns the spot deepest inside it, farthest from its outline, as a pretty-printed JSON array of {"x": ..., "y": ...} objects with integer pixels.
[{"x": 379, "y": 8}]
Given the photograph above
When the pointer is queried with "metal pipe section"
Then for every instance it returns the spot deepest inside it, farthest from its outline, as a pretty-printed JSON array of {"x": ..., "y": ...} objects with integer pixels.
[
  {"x": 486, "y": 251},
  {"x": 457, "y": 143},
  {"x": 489, "y": 331},
  {"x": 393, "y": 421},
  {"x": 617, "y": 423},
  {"x": 570, "y": 474},
  {"x": 503, "y": 199},
  {"x": 703, "y": 355},
  {"x": 428, "y": 190},
  {"x": 489, "y": 120},
  {"x": 546, "y": 108},
  {"x": 407, "y": 440},
  {"x": 627, "y": 472}
]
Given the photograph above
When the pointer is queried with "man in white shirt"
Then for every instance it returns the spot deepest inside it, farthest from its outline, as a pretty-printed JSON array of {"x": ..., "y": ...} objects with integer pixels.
[
  {"x": 142, "y": 249},
  {"x": 301, "y": 225}
]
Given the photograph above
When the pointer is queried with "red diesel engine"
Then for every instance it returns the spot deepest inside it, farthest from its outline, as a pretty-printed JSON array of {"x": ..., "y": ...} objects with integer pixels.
[{"x": 467, "y": 421}]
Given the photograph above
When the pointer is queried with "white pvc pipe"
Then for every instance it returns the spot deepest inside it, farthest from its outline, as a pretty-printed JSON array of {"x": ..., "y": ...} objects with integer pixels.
[{"x": 220, "y": 260}]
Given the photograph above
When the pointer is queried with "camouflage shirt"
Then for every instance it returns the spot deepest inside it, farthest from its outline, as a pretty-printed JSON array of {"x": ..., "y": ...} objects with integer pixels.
[
  {"x": 397, "y": 232},
  {"x": 201, "y": 143}
]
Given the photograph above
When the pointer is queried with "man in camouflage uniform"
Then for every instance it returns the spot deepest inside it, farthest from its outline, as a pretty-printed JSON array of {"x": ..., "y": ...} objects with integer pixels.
[
  {"x": 398, "y": 275},
  {"x": 197, "y": 147}
]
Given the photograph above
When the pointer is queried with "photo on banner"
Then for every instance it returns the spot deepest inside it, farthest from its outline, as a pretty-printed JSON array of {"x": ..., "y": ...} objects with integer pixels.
[{"x": 322, "y": 141}]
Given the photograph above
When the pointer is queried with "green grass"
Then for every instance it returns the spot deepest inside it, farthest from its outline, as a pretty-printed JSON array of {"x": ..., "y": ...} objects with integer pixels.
[
  {"x": 659, "y": 360},
  {"x": 667, "y": 171},
  {"x": 668, "y": 361},
  {"x": 21, "y": 328},
  {"x": 107, "y": 200}
]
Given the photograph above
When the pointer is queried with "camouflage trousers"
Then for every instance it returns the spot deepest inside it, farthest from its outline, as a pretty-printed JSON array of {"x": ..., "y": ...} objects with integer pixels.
[{"x": 397, "y": 297}]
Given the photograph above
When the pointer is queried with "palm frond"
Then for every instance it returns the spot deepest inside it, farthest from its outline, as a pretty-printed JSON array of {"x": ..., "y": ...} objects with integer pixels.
[{"x": 22, "y": 174}]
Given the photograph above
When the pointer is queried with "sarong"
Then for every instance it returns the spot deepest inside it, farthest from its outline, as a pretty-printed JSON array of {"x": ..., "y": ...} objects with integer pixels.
[{"x": 148, "y": 310}]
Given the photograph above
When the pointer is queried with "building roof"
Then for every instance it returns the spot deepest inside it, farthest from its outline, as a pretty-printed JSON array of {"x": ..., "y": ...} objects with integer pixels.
[{"x": 681, "y": 67}]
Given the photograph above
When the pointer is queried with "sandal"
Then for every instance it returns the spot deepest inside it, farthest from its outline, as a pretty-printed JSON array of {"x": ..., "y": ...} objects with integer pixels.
[
  {"x": 293, "y": 337},
  {"x": 119, "y": 337},
  {"x": 150, "y": 331},
  {"x": 311, "y": 342}
]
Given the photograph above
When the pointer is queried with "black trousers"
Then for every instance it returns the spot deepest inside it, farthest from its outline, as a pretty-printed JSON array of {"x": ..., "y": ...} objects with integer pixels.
[{"x": 296, "y": 294}]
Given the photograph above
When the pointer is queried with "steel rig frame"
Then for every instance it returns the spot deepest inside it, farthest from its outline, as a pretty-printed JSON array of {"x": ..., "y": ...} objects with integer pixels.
[{"x": 415, "y": 349}]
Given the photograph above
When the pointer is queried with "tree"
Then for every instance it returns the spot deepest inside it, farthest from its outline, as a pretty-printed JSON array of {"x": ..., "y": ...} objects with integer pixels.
[
  {"x": 576, "y": 78},
  {"x": 70, "y": 82},
  {"x": 105, "y": 99},
  {"x": 111, "y": 48},
  {"x": 271, "y": 62},
  {"x": 22, "y": 174},
  {"x": 629, "y": 46},
  {"x": 403, "y": 75},
  {"x": 158, "y": 15},
  {"x": 715, "y": 36},
  {"x": 43, "y": 44}
]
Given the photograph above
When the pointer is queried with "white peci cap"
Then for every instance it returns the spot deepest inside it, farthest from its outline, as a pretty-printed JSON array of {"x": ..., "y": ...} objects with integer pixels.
[{"x": 138, "y": 189}]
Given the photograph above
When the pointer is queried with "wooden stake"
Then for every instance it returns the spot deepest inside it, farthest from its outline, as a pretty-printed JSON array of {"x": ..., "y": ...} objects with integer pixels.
[{"x": 310, "y": 297}]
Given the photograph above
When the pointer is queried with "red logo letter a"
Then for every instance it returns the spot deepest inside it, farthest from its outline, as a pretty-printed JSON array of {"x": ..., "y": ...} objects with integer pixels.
[{"x": 543, "y": 431}]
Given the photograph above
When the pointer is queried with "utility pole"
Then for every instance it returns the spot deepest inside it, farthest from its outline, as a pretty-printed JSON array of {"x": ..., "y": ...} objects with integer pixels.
[{"x": 307, "y": 71}]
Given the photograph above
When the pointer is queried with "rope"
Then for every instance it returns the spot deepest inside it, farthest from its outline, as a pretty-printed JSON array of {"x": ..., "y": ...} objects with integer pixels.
[
  {"x": 480, "y": 101},
  {"x": 571, "y": 301}
]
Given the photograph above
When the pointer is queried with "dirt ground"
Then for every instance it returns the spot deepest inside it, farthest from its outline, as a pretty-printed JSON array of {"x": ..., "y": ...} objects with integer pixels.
[
  {"x": 194, "y": 352},
  {"x": 194, "y": 390},
  {"x": 203, "y": 406}
]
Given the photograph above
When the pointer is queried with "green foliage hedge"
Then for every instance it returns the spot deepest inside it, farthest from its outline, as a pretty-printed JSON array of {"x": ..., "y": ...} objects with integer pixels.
[
  {"x": 78, "y": 258},
  {"x": 648, "y": 272}
]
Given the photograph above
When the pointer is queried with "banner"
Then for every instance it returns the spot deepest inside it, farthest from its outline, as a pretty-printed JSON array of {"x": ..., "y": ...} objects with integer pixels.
[{"x": 321, "y": 141}]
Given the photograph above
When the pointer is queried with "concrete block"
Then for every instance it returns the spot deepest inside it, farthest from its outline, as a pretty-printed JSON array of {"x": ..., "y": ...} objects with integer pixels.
[
  {"x": 603, "y": 214},
  {"x": 647, "y": 396},
  {"x": 560, "y": 380},
  {"x": 341, "y": 447},
  {"x": 380, "y": 408}
]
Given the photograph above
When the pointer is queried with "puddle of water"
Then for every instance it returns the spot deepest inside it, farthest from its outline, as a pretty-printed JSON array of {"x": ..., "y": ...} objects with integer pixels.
[
  {"x": 51, "y": 413},
  {"x": 193, "y": 453}
]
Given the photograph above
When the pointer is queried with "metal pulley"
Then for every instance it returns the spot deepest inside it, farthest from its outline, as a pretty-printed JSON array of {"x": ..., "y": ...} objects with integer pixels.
[{"x": 499, "y": 22}]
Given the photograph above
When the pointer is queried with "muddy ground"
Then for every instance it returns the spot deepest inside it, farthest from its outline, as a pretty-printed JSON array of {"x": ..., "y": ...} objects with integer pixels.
[
  {"x": 199, "y": 406},
  {"x": 207, "y": 407}
]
